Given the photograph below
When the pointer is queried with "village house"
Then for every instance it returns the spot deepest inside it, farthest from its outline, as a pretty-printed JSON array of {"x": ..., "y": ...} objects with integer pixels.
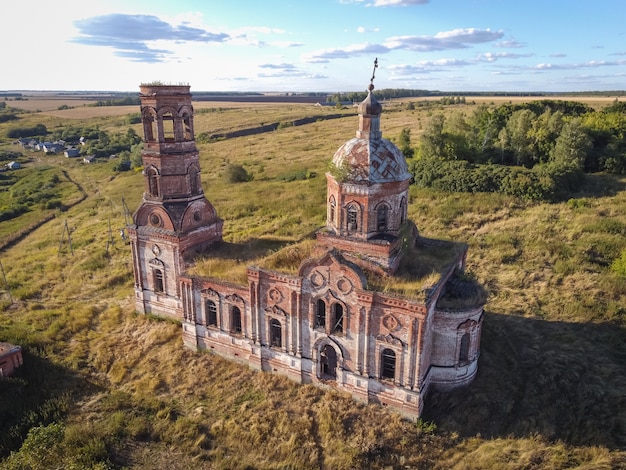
[
  {"x": 10, "y": 359},
  {"x": 336, "y": 320},
  {"x": 72, "y": 152}
]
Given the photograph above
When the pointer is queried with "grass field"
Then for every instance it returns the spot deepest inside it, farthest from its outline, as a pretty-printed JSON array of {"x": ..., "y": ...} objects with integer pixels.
[{"x": 112, "y": 389}]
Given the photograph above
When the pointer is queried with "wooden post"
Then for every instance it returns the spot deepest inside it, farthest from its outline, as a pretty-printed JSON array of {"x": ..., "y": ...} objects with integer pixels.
[{"x": 69, "y": 238}]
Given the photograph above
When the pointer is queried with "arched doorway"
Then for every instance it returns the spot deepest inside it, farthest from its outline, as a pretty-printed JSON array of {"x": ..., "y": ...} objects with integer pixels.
[{"x": 328, "y": 363}]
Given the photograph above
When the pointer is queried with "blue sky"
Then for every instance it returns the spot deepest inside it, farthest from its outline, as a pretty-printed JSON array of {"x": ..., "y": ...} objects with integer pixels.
[{"x": 315, "y": 45}]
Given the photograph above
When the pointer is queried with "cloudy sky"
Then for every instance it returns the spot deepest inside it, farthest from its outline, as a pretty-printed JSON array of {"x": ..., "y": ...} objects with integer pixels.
[{"x": 314, "y": 45}]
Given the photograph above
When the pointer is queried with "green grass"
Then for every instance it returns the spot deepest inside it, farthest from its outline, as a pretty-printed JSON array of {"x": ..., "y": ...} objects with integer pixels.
[{"x": 550, "y": 388}]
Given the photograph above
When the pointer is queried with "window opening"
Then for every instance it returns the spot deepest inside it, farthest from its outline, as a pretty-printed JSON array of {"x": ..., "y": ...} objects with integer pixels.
[
  {"x": 236, "y": 320},
  {"x": 148, "y": 128},
  {"x": 338, "y": 318},
  {"x": 153, "y": 182},
  {"x": 168, "y": 127},
  {"x": 320, "y": 314},
  {"x": 188, "y": 134},
  {"x": 158, "y": 281},
  {"x": 464, "y": 348},
  {"x": 352, "y": 218},
  {"x": 381, "y": 218},
  {"x": 276, "y": 338},
  {"x": 388, "y": 364},
  {"x": 332, "y": 209},
  {"x": 211, "y": 313}
]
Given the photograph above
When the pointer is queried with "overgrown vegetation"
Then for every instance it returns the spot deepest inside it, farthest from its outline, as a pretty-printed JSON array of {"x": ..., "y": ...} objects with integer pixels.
[
  {"x": 102, "y": 387},
  {"x": 536, "y": 150},
  {"x": 38, "y": 130}
]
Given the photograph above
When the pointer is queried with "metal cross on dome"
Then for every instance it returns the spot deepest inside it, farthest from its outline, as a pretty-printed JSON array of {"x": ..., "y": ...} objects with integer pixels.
[{"x": 374, "y": 71}]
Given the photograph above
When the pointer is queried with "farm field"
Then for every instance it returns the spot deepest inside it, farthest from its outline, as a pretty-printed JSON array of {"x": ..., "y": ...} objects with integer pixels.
[{"x": 103, "y": 387}]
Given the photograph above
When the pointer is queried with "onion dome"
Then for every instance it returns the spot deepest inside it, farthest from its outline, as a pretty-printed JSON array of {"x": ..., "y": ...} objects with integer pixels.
[{"x": 368, "y": 158}]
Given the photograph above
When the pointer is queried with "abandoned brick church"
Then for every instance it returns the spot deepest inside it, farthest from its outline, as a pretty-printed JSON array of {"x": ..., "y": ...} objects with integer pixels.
[{"x": 336, "y": 320}]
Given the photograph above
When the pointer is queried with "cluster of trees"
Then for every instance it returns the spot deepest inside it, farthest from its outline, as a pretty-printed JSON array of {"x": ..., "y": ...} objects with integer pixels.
[
  {"x": 73, "y": 133},
  {"x": 107, "y": 144},
  {"x": 385, "y": 93},
  {"x": 38, "y": 130},
  {"x": 544, "y": 182},
  {"x": 126, "y": 101},
  {"x": 9, "y": 155},
  {"x": 6, "y": 114},
  {"x": 447, "y": 100},
  {"x": 536, "y": 150}
]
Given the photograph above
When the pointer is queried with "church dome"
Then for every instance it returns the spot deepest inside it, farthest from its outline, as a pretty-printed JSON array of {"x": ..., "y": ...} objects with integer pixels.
[
  {"x": 368, "y": 157},
  {"x": 373, "y": 161}
]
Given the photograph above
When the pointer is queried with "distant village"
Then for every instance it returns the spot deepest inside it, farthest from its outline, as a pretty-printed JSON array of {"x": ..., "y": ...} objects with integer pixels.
[
  {"x": 68, "y": 149},
  {"x": 58, "y": 147}
]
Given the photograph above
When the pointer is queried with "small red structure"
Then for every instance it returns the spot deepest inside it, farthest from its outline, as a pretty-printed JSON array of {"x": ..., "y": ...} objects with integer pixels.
[{"x": 10, "y": 359}]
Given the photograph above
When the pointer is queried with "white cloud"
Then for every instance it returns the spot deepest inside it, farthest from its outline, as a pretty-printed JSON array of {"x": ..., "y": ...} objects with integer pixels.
[
  {"x": 345, "y": 53},
  {"x": 494, "y": 56},
  {"x": 445, "y": 40},
  {"x": 362, "y": 29},
  {"x": 131, "y": 36}
]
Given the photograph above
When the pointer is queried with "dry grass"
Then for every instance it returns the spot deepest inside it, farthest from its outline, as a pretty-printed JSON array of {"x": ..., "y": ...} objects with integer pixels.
[{"x": 550, "y": 390}]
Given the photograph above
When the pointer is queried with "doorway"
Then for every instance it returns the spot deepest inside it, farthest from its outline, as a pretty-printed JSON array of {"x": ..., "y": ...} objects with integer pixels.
[{"x": 328, "y": 363}]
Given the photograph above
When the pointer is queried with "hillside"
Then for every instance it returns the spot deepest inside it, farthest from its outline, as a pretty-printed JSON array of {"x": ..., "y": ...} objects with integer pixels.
[{"x": 112, "y": 389}]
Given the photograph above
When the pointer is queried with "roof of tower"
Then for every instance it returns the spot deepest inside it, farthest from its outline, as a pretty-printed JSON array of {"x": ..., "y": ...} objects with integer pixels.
[
  {"x": 375, "y": 161},
  {"x": 370, "y": 105},
  {"x": 368, "y": 157}
]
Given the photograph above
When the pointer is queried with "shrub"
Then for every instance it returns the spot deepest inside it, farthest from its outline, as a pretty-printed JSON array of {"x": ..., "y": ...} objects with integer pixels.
[
  {"x": 298, "y": 175},
  {"x": 237, "y": 174},
  {"x": 619, "y": 265},
  {"x": 543, "y": 182}
]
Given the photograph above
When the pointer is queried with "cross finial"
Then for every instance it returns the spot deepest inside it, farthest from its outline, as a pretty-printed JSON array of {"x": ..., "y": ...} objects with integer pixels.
[{"x": 374, "y": 72}]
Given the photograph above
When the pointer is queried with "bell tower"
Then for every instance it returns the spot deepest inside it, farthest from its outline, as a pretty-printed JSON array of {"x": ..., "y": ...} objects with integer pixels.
[{"x": 175, "y": 220}]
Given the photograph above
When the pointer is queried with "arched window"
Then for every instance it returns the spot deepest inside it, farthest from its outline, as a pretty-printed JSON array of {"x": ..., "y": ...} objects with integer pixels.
[
  {"x": 337, "y": 319},
  {"x": 235, "y": 320},
  {"x": 153, "y": 182},
  {"x": 320, "y": 314},
  {"x": 381, "y": 218},
  {"x": 388, "y": 364},
  {"x": 159, "y": 284},
  {"x": 276, "y": 333},
  {"x": 168, "y": 127},
  {"x": 148, "y": 127},
  {"x": 211, "y": 313},
  {"x": 333, "y": 206},
  {"x": 464, "y": 349},
  {"x": 402, "y": 210},
  {"x": 352, "y": 218},
  {"x": 187, "y": 127}
]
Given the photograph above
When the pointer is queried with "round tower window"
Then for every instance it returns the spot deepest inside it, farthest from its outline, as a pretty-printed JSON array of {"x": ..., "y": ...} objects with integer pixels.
[{"x": 155, "y": 220}]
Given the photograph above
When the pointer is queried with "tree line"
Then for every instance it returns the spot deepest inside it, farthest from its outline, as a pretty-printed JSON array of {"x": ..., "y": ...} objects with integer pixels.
[{"x": 536, "y": 150}]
